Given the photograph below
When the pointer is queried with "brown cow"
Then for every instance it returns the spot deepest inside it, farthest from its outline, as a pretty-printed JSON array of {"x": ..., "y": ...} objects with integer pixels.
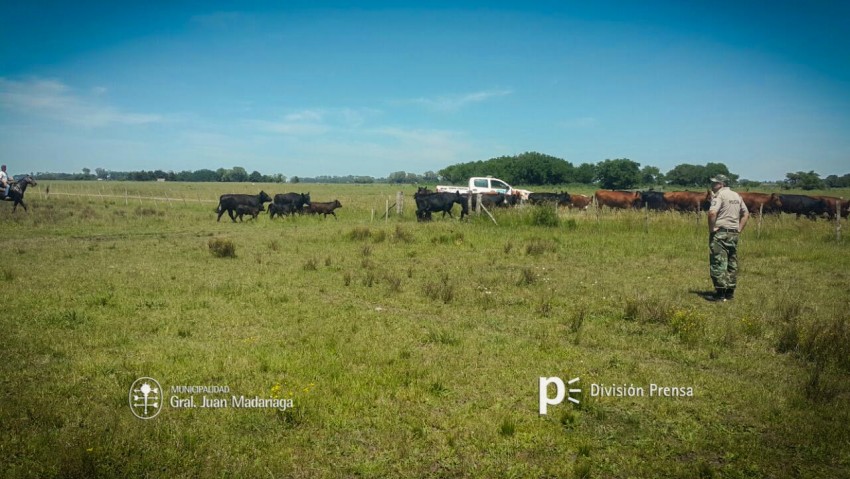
[
  {"x": 687, "y": 200},
  {"x": 579, "y": 201},
  {"x": 618, "y": 199},
  {"x": 769, "y": 203},
  {"x": 832, "y": 204},
  {"x": 326, "y": 208}
]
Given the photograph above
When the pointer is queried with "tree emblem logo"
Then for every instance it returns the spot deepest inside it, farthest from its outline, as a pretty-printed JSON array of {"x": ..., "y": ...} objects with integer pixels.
[{"x": 146, "y": 398}]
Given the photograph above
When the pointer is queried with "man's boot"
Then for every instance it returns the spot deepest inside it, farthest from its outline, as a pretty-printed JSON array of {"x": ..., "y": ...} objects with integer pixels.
[
  {"x": 730, "y": 294},
  {"x": 719, "y": 294}
]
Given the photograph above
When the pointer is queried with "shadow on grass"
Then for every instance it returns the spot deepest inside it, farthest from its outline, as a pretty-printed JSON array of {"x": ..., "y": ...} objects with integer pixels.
[{"x": 706, "y": 295}]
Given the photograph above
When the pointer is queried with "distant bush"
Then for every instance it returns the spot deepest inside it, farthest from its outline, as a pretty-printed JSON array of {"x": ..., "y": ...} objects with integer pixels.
[{"x": 222, "y": 248}]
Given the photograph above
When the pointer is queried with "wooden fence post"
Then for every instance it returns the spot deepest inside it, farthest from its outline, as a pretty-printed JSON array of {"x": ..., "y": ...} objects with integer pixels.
[
  {"x": 838, "y": 218},
  {"x": 761, "y": 216},
  {"x": 596, "y": 207},
  {"x": 399, "y": 202}
]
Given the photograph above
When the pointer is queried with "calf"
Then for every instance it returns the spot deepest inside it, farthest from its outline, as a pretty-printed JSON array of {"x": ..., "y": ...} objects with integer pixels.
[
  {"x": 580, "y": 201},
  {"x": 327, "y": 208},
  {"x": 248, "y": 210},
  {"x": 230, "y": 202}
]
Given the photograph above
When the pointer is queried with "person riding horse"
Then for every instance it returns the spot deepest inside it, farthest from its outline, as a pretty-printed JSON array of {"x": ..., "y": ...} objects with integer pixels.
[
  {"x": 17, "y": 190},
  {"x": 4, "y": 181}
]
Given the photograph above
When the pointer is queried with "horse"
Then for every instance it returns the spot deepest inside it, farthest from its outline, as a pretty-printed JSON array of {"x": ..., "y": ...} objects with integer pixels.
[{"x": 17, "y": 190}]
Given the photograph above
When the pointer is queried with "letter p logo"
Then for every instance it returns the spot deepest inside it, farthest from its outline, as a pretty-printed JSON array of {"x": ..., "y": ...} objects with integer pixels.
[{"x": 560, "y": 392}]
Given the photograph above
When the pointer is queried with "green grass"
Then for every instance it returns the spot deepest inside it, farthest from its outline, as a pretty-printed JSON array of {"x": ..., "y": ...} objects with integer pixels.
[{"x": 413, "y": 349}]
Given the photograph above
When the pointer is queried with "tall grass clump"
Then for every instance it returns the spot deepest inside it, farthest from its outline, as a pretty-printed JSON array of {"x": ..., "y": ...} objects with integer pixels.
[
  {"x": 222, "y": 248},
  {"x": 544, "y": 216},
  {"x": 402, "y": 235},
  {"x": 7, "y": 274},
  {"x": 538, "y": 246},
  {"x": 359, "y": 233},
  {"x": 442, "y": 290},
  {"x": 646, "y": 310}
]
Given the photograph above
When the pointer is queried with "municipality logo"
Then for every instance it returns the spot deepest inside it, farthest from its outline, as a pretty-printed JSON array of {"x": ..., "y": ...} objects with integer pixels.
[{"x": 146, "y": 398}]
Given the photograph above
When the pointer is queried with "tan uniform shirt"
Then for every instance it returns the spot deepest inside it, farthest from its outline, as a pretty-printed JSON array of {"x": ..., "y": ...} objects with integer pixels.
[{"x": 729, "y": 208}]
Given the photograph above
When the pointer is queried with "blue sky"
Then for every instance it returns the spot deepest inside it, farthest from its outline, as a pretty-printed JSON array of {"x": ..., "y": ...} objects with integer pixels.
[{"x": 316, "y": 88}]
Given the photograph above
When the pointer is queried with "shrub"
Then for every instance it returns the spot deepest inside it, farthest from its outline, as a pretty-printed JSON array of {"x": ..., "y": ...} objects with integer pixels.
[
  {"x": 544, "y": 216},
  {"x": 359, "y": 233},
  {"x": 222, "y": 248}
]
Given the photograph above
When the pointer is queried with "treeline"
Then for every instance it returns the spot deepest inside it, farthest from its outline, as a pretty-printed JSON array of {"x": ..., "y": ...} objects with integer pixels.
[
  {"x": 531, "y": 168},
  {"x": 538, "y": 169},
  {"x": 235, "y": 174}
]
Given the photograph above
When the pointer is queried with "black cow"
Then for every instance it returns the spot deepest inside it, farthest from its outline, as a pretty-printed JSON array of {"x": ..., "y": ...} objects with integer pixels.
[
  {"x": 325, "y": 208},
  {"x": 653, "y": 200},
  {"x": 292, "y": 201},
  {"x": 248, "y": 210},
  {"x": 803, "y": 205},
  {"x": 488, "y": 200},
  {"x": 560, "y": 199},
  {"x": 230, "y": 202},
  {"x": 281, "y": 209},
  {"x": 436, "y": 202}
]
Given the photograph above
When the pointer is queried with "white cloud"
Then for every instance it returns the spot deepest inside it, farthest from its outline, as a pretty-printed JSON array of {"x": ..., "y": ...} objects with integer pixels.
[
  {"x": 55, "y": 100},
  {"x": 456, "y": 102},
  {"x": 312, "y": 122}
]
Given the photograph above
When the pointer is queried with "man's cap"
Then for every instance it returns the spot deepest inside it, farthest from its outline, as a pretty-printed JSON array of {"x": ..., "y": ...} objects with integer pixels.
[{"x": 719, "y": 179}]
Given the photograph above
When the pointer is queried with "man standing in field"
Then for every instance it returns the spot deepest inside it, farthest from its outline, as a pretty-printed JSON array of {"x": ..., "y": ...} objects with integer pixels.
[{"x": 727, "y": 217}]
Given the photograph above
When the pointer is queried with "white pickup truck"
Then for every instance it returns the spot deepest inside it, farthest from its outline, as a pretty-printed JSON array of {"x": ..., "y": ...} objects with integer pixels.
[{"x": 485, "y": 185}]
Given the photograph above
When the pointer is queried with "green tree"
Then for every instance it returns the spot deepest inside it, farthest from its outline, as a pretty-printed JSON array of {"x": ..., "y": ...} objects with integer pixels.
[
  {"x": 294, "y": 180},
  {"x": 712, "y": 169},
  {"x": 397, "y": 177},
  {"x": 255, "y": 177},
  {"x": 237, "y": 173},
  {"x": 687, "y": 175},
  {"x": 618, "y": 174},
  {"x": 804, "y": 181},
  {"x": 651, "y": 175},
  {"x": 585, "y": 173}
]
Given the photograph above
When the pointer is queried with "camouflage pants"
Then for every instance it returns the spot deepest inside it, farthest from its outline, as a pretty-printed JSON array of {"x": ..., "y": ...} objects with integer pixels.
[{"x": 723, "y": 259}]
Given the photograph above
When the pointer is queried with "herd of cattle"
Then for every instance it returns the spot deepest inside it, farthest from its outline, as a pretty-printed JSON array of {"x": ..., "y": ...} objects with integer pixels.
[
  {"x": 283, "y": 204},
  {"x": 428, "y": 202},
  {"x": 757, "y": 203}
]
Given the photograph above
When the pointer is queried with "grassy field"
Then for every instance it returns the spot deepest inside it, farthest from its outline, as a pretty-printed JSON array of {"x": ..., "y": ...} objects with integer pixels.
[{"x": 413, "y": 349}]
